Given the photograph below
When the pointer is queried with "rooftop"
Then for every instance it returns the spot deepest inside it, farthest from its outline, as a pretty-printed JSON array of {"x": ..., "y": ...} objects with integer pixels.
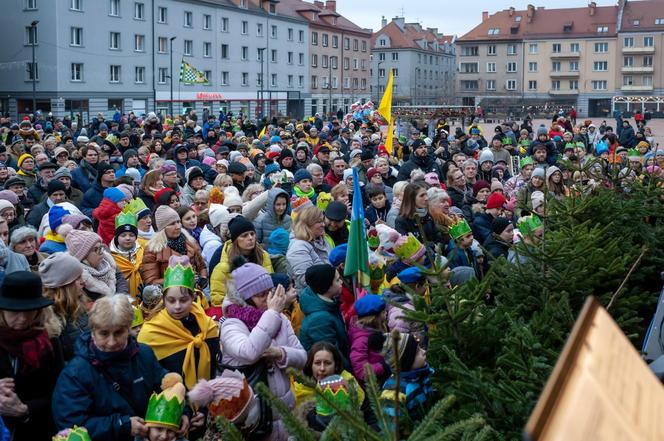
[{"x": 404, "y": 35}]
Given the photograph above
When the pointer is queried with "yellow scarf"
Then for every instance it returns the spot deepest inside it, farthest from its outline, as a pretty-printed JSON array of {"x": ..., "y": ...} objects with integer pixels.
[
  {"x": 130, "y": 270},
  {"x": 53, "y": 236},
  {"x": 167, "y": 336}
]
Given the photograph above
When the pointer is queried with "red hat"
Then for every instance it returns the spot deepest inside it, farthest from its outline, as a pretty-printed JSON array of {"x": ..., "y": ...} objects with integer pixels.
[
  {"x": 272, "y": 155},
  {"x": 371, "y": 172},
  {"x": 479, "y": 185},
  {"x": 382, "y": 150},
  {"x": 496, "y": 200}
]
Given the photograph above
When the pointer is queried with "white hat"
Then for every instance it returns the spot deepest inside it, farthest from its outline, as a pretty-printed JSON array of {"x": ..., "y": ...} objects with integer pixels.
[{"x": 217, "y": 214}]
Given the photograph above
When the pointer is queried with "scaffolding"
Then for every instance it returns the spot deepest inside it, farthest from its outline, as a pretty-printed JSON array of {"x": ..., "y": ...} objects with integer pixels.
[{"x": 653, "y": 104}]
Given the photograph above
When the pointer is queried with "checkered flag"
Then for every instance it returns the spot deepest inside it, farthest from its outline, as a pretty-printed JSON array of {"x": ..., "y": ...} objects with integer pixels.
[{"x": 190, "y": 75}]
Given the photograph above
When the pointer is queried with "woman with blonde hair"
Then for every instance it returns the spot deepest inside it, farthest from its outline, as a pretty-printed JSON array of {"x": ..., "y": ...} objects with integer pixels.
[
  {"x": 307, "y": 245},
  {"x": 150, "y": 185},
  {"x": 439, "y": 208}
]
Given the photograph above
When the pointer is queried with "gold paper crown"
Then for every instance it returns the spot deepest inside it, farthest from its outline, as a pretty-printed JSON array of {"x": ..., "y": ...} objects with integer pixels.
[
  {"x": 408, "y": 248},
  {"x": 460, "y": 229},
  {"x": 179, "y": 273},
  {"x": 165, "y": 409}
]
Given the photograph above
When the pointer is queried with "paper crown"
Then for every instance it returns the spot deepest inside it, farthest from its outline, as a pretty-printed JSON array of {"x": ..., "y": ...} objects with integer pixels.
[
  {"x": 165, "y": 409},
  {"x": 179, "y": 273},
  {"x": 372, "y": 238},
  {"x": 75, "y": 434},
  {"x": 323, "y": 200},
  {"x": 570, "y": 145},
  {"x": 228, "y": 395},
  {"x": 507, "y": 140},
  {"x": 138, "y": 317},
  {"x": 633, "y": 154},
  {"x": 409, "y": 249},
  {"x": 136, "y": 206},
  {"x": 526, "y": 160},
  {"x": 335, "y": 389},
  {"x": 125, "y": 218},
  {"x": 387, "y": 237},
  {"x": 459, "y": 229},
  {"x": 528, "y": 224}
]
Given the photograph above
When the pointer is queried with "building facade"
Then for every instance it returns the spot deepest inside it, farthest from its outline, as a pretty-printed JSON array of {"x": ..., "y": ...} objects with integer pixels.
[
  {"x": 423, "y": 62},
  {"x": 122, "y": 55}
]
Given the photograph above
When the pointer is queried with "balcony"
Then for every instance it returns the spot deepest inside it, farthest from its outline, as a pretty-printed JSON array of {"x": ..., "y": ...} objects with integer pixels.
[
  {"x": 634, "y": 88},
  {"x": 563, "y": 92},
  {"x": 638, "y": 50},
  {"x": 637, "y": 69},
  {"x": 567, "y": 74},
  {"x": 565, "y": 55}
]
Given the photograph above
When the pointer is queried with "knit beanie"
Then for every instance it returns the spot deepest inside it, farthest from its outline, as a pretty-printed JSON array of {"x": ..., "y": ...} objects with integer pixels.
[
  {"x": 114, "y": 194},
  {"x": 22, "y": 158},
  {"x": 370, "y": 304},
  {"x": 479, "y": 185},
  {"x": 80, "y": 243},
  {"x": 128, "y": 154},
  {"x": 495, "y": 200},
  {"x": 499, "y": 224},
  {"x": 193, "y": 173},
  {"x": 232, "y": 197},
  {"x": 10, "y": 196},
  {"x": 101, "y": 169},
  {"x": 59, "y": 269},
  {"x": 5, "y": 204},
  {"x": 134, "y": 174},
  {"x": 320, "y": 277},
  {"x": 62, "y": 172},
  {"x": 405, "y": 350},
  {"x": 537, "y": 199},
  {"x": 168, "y": 166},
  {"x": 163, "y": 196},
  {"x": 539, "y": 171},
  {"x": 541, "y": 130},
  {"x": 55, "y": 215},
  {"x": 496, "y": 185},
  {"x": 19, "y": 234},
  {"x": 164, "y": 216},
  {"x": 302, "y": 174},
  {"x": 217, "y": 213},
  {"x": 127, "y": 190},
  {"x": 338, "y": 254},
  {"x": 75, "y": 220},
  {"x": 238, "y": 226},
  {"x": 251, "y": 279},
  {"x": 279, "y": 240},
  {"x": 486, "y": 155}
]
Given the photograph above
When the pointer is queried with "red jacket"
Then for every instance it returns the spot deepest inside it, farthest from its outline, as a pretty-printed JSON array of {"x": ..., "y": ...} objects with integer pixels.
[
  {"x": 105, "y": 214},
  {"x": 331, "y": 179}
]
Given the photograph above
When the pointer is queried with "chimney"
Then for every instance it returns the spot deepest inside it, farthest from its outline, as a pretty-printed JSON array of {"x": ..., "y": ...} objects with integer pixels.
[
  {"x": 511, "y": 11},
  {"x": 531, "y": 13},
  {"x": 400, "y": 21},
  {"x": 485, "y": 15},
  {"x": 331, "y": 5},
  {"x": 319, "y": 4},
  {"x": 433, "y": 30},
  {"x": 592, "y": 7},
  {"x": 383, "y": 22}
]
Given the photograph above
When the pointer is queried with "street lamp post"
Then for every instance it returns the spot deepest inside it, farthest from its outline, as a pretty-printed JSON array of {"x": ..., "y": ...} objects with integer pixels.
[
  {"x": 261, "y": 51},
  {"x": 329, "y": 85},
  {"x": 170, "y": 107},
  {"x": 33, "y": 66}
]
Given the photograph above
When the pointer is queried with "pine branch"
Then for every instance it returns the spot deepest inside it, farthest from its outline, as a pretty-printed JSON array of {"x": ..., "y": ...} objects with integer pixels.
[
  {"x": 432, "y": 421},
  {"x": 373, "y": 394},
  {"x": 294, "y": 426},
  {"x": 228, "y": 430}
]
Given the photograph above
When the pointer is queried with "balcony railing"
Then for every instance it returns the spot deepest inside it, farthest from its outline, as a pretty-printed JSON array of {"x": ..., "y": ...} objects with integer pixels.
[
  {"x": 564, "y": 74},
  {"x": 637, "y": 69},
  {"x": 638, "y": 50},
  {"x": 640, "y": 88},
  {"x": 566, "y": 55},
  {"x": 560, "y": 92}
]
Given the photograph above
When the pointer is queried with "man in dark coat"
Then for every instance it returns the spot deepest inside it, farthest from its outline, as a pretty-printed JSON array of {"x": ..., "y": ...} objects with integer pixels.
[
  {"x": 421, "y": 159},
  {"x": 92, "y": 198}
]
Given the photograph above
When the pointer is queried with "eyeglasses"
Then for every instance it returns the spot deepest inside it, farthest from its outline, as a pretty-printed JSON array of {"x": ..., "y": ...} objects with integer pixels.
[{"x": 98, "y": 249}]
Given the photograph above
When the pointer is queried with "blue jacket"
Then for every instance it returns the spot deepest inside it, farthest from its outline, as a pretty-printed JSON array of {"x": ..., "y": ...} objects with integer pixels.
[
  {"x": 123, "y": 170},
  {"x": 482, "y": 226},
  {"x": 91, "y": 199},
  {"x": 88, "y": 395},
  {"x": 81, "y": 178},
  {"x": 182, "y": 168}
]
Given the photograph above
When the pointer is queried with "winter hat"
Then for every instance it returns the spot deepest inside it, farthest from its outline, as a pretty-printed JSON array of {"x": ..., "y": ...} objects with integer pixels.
[
  {"x": 193, "y": 173},
  {"x": 19, "y": 234},
  {"x": 14, "y": 180},
  {"x": 411, "y": 275},
  {"x": 134, "y": 174},
  {"x": 432, "y": 179},
  {"x": 238, "y": 226},
  {"x": 232, "y": 198},
  {"x": 388, "y": 237},
  {"x": 128, "y": 154},
  {"x": 163, "y": 196},
  {"x": 271, "y": 168},
  {"x": 347, "y": 173},
  {"x": 217, "y": 213},
  {"x": 495, "y": 200},
  {"x": 5, "y": 204},
  {"x": 371, "y": 173},
  {"x": 479, "y": 185},
  {"x": 164, "y": 216},
  {"x": 279, "y": 240},
  {"x": 80, "y": 243},
  {"x": 168, "y": 166},
  {"x": 338, "y": 255},
  {"x": 336, "y": 211},
  {"x": 127, "y": 190},
  {"x": 101, "y": 169},
  {"x": 251, "y": 279},
  {"x": 62, "y": 172},
  {"x": 114, "y": 194},
  {"x": 302, "y": 174},
  {"x": 60, "y": 150},
  {"x": 486, "y": 155},
  {"x": 59, "y": 269},
  {"x": 55, "y": 215},
  {"x": 53, "y": 186},
  {"x": 75, "y": 220},
  {"x": 209, "y": 161},
  {"x": 299, "y": 204},
  {"x": 541, "y": 130},
  {"x": 10, "y": 196},
  {"x": 499, "y": 224},
  {"x": 236, "y": 168},
  {"x": 511, "y": 205},
  {"x": 320, "y": 277},
  {"x": 537, "y": 199},
  {"x": 23, "y": 157},
  {"x": 496, "y": 185},
  {"x": 370, "y": 304},
  {"x": 551, "y": 170},
  {"x": 405, "y": 350},
  {"x": 539, "y": 171}
]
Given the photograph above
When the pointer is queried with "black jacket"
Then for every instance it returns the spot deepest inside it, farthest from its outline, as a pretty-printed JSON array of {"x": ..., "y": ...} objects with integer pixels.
[{"x": 426, "y": 164}]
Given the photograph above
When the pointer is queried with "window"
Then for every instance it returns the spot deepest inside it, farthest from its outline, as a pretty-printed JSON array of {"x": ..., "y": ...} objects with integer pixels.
[
  {"x": 224, "y": 78},
  {"x": 300, "y": 81},
  {"x": 659, "y": 21},
  {"x": 300, "y": 36},
  {"x": 491, "y": 67},
  {"x": 602, "y": 29},
  {"x": 289, "y": 57},
  {"x": 30, "y": 68},
  {"x": 511, "y": 85},
  {"x": 162, "y": 45},
  {"x": 636, "y": 23},
  {"x": 75, "y": 38},
  {"x": 601, "y": 48},
  {"x": 208, "y": 75},
  {"x": 162, "y": 15},
  {"x": 162, "y": 75},
  {"x": 347, "y": 43},
  {"x": 511, "y": 67},
  {"x": 364, "y": 46},
  {"x": 207, "y": 49},
  {"x": 273, "y": 55},
  {"x": 628, "y": 80},
  {"x": 259, "y": 80},
  {"x": 574, "y": 48},
  {"x": 647, "y": 61},
  {"x": 139, "y": 75},
  {"x": 628, "y": 61},
  {"x": 532, "y": 66},
  {"x": 77, "y": 71},
  {"x": 314, "y": 60},
  {"x": 139, "y": 43},
  {"x": 245, "y": 53},
  {"x": 470, "y": 51},
  {"x": 490, "y": 50},
  {"x": 533, "y": 48},
  {"x": 188, "y": 19},
  {"x": 355, "y": 64},
  {"x": 532, "y": 85},
  {"x": 494, "y": 31},
  {"x": 395, "y": 56},
  {"x": 115, "y": 73},
  {"x": 114, "y": 8},
  {"x": 273, "y": 80},
  {"x": 648, "y": 42},
  {"x": 273, "y": 31},
  {"x": 600, "y": 84},
  {"x": 290, "y": 81},
  {"x": 245, "y": 27},
  {"x": 139, "y": 11},
  {"x": 490, "y": 85},
  {"x": 300, "y": 59},
  {"x": 647, "y": 80},
  {"x": 355, "y": 44},
  {"x": 314, "y": 38},
  {"x": 601, "y": 66},
  {"x": 259, "y": 54},
  {"x": 259, "y": 29},
  {"x": 555, "y": 66},
  {"x": 76, "y": 5},
  {"x": 245, "y": 78},
  {"x": 207, "y": 22},
  {"x": 555, "y": 85},
  {"x": 346, "y": 63},
  {"x": 556, "y": 48},
  {"x": 324, "y": 40},
  {"x": 573, "y": 66},
  {"x": 30, "y": 4},
  {"x": 511, "y": 49},
  {"x": 224, "y": 24},
  {"x": 290, "y": 34},
  {"x": 381, "y": 56},
  {"x": 224, "y": 51},
  {"x": 381, "y": 73},
  {"x": 31, "y": 36},
  {"x": 573, "y": 84},
  {"x": 188, "y": 49},
  {"x": 114, "y": 42},
  {"x": 628, "y": 42},
  {"x": 323, "y": 61}
]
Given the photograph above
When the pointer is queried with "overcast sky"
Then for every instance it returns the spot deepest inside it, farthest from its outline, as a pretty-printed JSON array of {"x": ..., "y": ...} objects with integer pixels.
[{"x": 449, "y": 16}]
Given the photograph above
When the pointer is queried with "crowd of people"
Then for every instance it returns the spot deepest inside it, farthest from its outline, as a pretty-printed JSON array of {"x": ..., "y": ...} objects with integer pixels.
[{"x": 154, "y": 270}]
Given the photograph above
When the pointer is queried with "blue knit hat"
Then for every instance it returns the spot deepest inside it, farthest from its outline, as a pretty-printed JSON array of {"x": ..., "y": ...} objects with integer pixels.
[
  {"x": 279, "y": 240},
  {"x": 114, "y": 194},
  {"x": 338, "y": 254},
  {"x": 411, "y": 275},
  {"x": 55, "y": 215},
  {"x": 302, "y": 174},
  {"x": 271, "y": 168},
  {"x": 370, "y": 304},
  {"x": 275, "y": 139}
]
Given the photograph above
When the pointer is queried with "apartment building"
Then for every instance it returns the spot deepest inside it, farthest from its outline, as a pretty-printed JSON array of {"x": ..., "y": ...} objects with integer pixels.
[
  {"x": 423, "y": 62},
  {"x": 96, "y": 56}
]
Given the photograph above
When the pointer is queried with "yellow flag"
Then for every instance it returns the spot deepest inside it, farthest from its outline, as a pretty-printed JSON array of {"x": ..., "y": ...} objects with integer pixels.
[
  {"x": 385, "y": 107},
  {"x": 390, "y": 136},
  {"x": 262, "y": 131}
]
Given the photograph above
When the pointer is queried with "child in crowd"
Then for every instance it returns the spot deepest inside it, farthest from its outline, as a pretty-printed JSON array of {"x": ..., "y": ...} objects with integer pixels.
[
  {"x": 189, "y": 220},
  {"x": 415, "y": 281},
  {"x": 461, "y": 252},
  {"x": 371, "y": 319},
  {"x": 127, "y": 252},
  {"x": 379, "y": 206},
  {"x": 113, "y": 202},
  {"x": 279, "y": 241}
]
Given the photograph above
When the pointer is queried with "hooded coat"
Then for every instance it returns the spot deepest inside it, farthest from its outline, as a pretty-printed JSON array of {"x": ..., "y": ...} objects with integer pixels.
[
  {"x": 105, "y": 215},
  {"x": 156, "y": 255},
  {"x": 268, "y": 221},
  {"x": 426, "y": 164},
  {"x": 302, "y": 254}
]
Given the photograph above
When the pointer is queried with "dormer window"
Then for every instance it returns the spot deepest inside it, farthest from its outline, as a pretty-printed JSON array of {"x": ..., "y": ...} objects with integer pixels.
[
  {"x": 243, "y": 4},
  {"x": 567, "y": 27},
  {"x": 334, "y": 20},
  {"x": 636, "y": 23},
  {"x": 273, "y": 8},
  {"x": 494, "y": 31},
  {"x": 602, "y": 29},
  {"x": 517, "y": 18}
]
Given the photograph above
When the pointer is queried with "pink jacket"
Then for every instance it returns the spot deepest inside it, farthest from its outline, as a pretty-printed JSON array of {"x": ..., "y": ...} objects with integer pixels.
[{"x": 360, "y": 354}]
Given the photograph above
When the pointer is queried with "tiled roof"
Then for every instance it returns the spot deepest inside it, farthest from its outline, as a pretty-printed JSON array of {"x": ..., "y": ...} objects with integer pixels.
[
  {"x": 303, "y": 10},
  {"x": 646, "y": 12},
  {"x": 511, "y": 24},
  {"x": 409, "y": 37}
]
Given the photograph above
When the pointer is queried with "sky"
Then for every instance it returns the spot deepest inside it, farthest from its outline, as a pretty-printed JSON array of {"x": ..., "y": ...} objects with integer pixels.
[{"x": 449, "y": 16}]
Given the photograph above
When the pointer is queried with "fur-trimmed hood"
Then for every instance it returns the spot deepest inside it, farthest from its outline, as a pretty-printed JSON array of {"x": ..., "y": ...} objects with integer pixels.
[{"x": 159, "y": 241}]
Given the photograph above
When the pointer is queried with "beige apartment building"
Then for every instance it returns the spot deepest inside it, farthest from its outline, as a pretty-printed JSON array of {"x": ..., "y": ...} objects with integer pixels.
[{"x": 590, "y": 58}]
